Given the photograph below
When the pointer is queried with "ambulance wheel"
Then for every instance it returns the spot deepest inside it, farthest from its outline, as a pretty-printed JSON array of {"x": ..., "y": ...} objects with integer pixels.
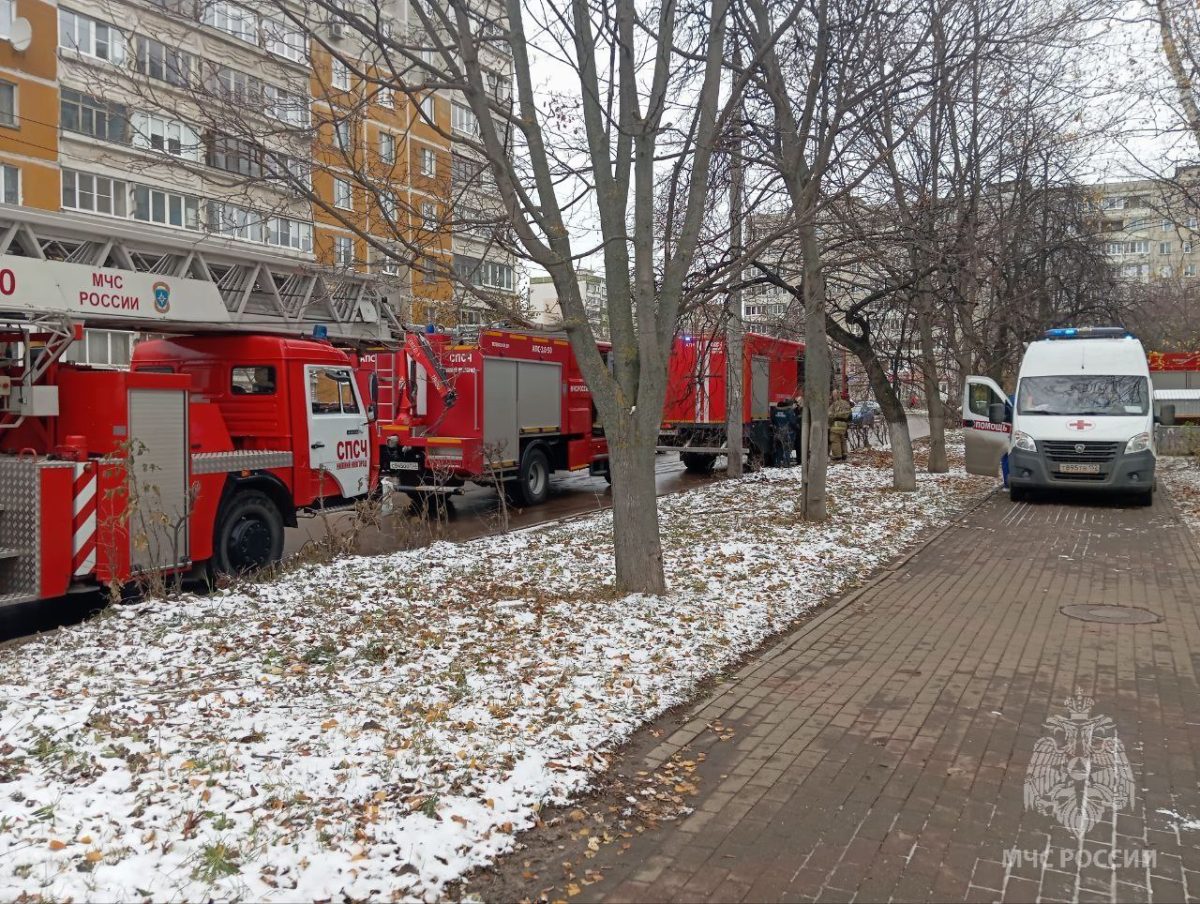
[
  {"x": 697, "y": 462},
  {"x": 249, "y": 534},
  {"x": 532, "y": 485}
]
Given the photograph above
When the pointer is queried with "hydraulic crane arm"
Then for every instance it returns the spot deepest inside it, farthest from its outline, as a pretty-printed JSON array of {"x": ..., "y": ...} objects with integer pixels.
[{"x": 420, "y": 350}]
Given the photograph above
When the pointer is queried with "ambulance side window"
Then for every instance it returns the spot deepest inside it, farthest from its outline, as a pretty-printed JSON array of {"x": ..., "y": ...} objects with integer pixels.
[
  {"x": 981, "y": 397},
  {"x": 252, "y": 381}
]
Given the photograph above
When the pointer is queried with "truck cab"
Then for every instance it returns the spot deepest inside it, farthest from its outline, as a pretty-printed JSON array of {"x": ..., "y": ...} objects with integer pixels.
[{"x": 1082, "y": 417}]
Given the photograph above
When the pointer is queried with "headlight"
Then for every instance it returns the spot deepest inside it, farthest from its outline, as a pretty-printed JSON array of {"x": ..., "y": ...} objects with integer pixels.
[
  {"x": 1139, "y": 443},
  {"x": 1023, "y": 441}
]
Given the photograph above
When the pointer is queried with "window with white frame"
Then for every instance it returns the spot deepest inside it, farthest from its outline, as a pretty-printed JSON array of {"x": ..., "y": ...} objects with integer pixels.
[
  {"x": 235, "y": 222},
  {"x": 287, "y": 106},
  {"x": 1187, "y": 247},
  {"x": 1140, "y": 247},
  {"x": 463, "y": 120},
  {"x": 8, "y": 104},
  {"x": 170, "y": 136},
  {"x": 102, "y": 348},
  {"x": 291, "y": 172},
  {"x": 284, "y": 232},
  {"x": 342, "y": 195},
  {"x": 94, "y": 194},
  {"x": 387, "y": 147},
  {"x": 1166, "y": 225},
  {"x": 232, "y": 19},
  {"x": 341, "y": 76},
  {"x": 10, "y": 184},
  {"x": 158, "y": 61},
  {"x": 341, "y": 134},
  {"x": 1164, "y": 247},
  {"x": 166, "y": 208},
  {"x": 1113, "y": 204},
  {"x": 285, "y": 40},
  {"x": 386, "y": 97},
  {"x": 485, "y": 274},
  {"x": 88, "y": 115},
  {"x": 90, "y": 37},
  {"x": 389, "y": 262},
  {"x": 389, "y": 205},
  {"x": 428, "y": 162},
  {"x": 7, "y": 13},
  {"x": 1191, "y": 223},
  {"x": 429, "y": 216},
  {"x": 343, "y": 251},
  {"x": 428, "y": 107},
  {"x": 1189, "y": 271}
]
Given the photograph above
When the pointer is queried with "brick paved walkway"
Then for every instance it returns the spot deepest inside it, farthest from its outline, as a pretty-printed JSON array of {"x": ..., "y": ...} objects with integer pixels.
[{"x": 881, "y": 752}]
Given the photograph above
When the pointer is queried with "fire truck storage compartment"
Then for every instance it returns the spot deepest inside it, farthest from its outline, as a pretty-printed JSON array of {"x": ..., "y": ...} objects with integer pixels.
[
  {"x": 159, "y": 510},
  {"x": 20, "y": 527},
  {"x": 520, "y": 398}
]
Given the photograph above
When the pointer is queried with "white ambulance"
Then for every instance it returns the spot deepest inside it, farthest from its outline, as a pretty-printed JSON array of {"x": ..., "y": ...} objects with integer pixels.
[{"x": 1082, "y": 417}]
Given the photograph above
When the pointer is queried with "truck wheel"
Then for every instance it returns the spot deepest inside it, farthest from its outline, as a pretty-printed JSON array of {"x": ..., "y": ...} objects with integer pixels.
[
  {"x": 532, "y": 485},
  {"x": 697, "y": 462},
  {"x": 249, "y": 534}
]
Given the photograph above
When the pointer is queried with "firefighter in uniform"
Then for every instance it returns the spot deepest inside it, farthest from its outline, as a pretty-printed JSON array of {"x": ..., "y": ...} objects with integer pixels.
[{"x": 839, "y": 425}]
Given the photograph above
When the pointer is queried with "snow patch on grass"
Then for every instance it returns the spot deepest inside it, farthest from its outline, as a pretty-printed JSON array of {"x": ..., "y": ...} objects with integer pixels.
[{"x": 377, "y": 727}]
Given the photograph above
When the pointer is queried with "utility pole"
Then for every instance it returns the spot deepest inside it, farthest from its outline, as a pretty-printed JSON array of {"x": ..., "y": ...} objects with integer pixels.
[{"x": 734, "y": 376}]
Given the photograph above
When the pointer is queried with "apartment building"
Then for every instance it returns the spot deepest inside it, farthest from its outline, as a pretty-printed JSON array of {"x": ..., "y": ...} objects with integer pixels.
[
  {"x": 229, "y": 126},
  {"x": 1150, "y": 229},
  {"x": 545, "y": 307}
]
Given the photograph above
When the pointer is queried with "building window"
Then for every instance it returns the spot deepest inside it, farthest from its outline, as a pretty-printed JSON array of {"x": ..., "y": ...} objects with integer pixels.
[
  {"x": 1189, "y": 271},
  {"x": 6, "y": 17},
  {"x": 1113, "y": 204},
  {"x": 389, "y": 262},
  {"x": 284, "y": 232},
  {"x": 287, "y": 106},
  {"x": 341, "y": 76},
  {"x": 387, "y": 147},
  {"x": 88, "y": 115},
  {"x": 167, "y": 64},
  {"x": 1191, "y": 223},
  {"x": 285, "y": 40},
  {"x": 388, "y": 204},
  {"x": 429, "y": 216},
  {"x": 233, "y": 155},
  {"x": 428, "y": 162},
  {"x": 1166, "y": 225},
  {"x": 10, "y": 183},
  {"x": 1187, "y": 247},
  {"x": 386, "y": 97},
  {"x": 94, "y": 194},
  {"x": 428, "y": 106},
  {"x": 90, "y": 36},
  {"x": 341, "y": 131},
  {"x": 1164, "y": 247},
  {"x": 8, "y": 104},
  {"x": 463, "y": 120},
  {"x": 342, "y": 196},
  {"x": 1141, "y": 247},
  {"x": 232, "y": 19},
  {"x": 170, "y": 136},
  {"x": 343, "y": 251},
  {"x": 234, "y": 222},
  {"x": 290, "y": 172},
  {"x": 167, "y": 208},
  {"x": 485, "y": 274}
]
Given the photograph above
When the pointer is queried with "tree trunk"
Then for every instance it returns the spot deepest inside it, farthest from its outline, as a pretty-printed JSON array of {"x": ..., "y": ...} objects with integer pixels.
[
  {"x": 818, "y": 367},
  {"x": 938, "y": 463},
  {"x": 734, "y": 390},
  {"x": 639, "y": 557}
]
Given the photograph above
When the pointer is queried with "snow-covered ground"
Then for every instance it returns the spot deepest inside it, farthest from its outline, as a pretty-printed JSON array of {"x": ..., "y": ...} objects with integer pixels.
[
  {"x": 1181, "y": 474},
  {"x": 379, "y": 726}
]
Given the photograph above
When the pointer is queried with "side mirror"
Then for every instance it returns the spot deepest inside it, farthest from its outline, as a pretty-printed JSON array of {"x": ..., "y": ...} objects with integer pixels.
[
  {"x": 372, "y": 412},
  {"x": 1166, "y": 415},
  {"x": 998, "y": 413}
]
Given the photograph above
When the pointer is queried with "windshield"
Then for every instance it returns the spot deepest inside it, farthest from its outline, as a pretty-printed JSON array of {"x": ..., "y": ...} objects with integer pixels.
[{"x": 1096, "y": 395}]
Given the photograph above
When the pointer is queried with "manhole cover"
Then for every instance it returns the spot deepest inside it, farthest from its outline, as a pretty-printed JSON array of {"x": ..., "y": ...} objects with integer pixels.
[{"x": 1111, "y": 615}]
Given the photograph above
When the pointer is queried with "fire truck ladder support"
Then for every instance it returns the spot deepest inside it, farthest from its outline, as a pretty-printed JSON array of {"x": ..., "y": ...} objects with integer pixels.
[{"x": 260, "y": 291}]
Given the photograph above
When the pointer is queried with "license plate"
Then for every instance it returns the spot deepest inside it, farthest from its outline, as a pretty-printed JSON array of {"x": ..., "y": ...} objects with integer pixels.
[
  {"x": 404, "y": 466},
  {"x": 1079, "y": 469}
]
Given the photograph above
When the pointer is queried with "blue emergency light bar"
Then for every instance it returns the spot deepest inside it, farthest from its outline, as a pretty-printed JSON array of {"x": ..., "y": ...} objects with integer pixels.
[{"x": 1089, "y": 332}]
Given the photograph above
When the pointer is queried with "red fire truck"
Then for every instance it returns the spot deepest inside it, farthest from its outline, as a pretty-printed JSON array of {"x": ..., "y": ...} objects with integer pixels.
[
  {"x": 508, "y": 405},
  {"x": 694, "y": 411},
  {"x": 215, "y": 438}
]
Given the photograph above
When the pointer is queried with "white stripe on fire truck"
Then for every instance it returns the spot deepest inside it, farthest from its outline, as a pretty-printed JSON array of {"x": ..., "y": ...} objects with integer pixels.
[{"x": 83, "y": 522}]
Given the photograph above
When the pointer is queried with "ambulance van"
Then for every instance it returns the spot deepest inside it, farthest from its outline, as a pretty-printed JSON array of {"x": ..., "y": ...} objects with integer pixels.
[{"x": 1082, "y": 417}]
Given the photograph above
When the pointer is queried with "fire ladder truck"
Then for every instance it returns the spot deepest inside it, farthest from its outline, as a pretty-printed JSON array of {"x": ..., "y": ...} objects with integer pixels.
[{"x": 218, "y": 435}]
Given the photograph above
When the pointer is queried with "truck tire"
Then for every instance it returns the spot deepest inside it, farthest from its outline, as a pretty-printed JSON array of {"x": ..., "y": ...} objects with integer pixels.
[
  {"x": 532, "y": 485},
  {"x": 697, "y": 462},
  {"x": 249, "y": 533}
]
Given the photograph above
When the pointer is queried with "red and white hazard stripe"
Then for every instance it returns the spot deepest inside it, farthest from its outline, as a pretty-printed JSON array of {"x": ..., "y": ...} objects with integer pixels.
[{"x": 83, "y": 521}]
